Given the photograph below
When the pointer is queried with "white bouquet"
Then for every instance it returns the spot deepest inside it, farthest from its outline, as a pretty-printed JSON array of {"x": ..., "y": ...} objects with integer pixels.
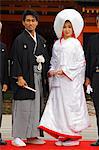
[{"x": 40, "y": 59}]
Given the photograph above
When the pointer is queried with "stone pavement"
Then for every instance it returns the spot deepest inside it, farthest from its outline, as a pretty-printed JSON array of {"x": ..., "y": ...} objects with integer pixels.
[{"x": 88, "y": 134}]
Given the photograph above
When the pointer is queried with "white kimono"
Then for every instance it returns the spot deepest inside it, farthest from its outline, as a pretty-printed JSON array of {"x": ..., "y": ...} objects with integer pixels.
[{"x": 66, "y": 112}]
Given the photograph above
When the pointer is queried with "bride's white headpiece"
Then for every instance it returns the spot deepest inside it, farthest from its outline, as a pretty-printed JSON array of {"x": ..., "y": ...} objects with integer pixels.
[{"x": 73, "y": 16}]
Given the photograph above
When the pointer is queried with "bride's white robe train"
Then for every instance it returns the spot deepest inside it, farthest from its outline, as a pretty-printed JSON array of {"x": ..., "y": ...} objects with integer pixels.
[{"x": 65, "y": 114}]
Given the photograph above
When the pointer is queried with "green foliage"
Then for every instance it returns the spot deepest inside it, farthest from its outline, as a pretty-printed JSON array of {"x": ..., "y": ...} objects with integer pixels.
[
  {"x": 7, "y": 102},
  {"x": 7, "y": 96}
]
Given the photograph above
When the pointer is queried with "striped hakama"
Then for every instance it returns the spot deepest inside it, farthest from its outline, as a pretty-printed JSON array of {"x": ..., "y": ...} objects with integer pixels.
[{"x": 26, "y": 113}]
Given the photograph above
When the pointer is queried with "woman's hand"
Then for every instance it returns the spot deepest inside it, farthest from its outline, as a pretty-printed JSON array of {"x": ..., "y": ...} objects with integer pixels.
[
  {"x": 55, "y": 73},
  {"x": 59, "y": 73},
  {"x": 51, "y": 73}
]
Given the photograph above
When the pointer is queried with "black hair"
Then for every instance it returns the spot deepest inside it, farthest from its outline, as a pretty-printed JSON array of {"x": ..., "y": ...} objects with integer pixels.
[{"x": 30, "y": 12}]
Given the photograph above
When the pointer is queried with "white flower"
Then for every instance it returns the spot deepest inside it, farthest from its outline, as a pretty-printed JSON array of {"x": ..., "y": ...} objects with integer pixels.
[{"x": 40, "y": 59}]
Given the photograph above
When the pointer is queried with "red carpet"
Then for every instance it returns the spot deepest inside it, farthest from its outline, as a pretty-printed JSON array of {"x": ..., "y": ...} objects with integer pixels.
[{"x": 84, "y": 145}]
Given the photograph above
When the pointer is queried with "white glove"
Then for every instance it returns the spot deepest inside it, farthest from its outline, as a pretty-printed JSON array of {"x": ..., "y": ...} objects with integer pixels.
[{"x": 89, "y": 89}]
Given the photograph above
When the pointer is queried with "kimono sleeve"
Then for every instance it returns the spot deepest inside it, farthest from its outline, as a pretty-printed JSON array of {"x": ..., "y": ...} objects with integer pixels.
[
  {"x": 5, "y": 73},
  {"x": 76, "y": 65},
  {"x": 91, "y": 57},
  {"x": 16, "y": 59},
  {"x": 53, "y": 60},
  {"x": 47, "y": 60}
]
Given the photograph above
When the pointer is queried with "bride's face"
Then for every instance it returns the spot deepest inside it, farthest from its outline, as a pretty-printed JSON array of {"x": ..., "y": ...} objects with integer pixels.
[{"x": 67, "y": 29}]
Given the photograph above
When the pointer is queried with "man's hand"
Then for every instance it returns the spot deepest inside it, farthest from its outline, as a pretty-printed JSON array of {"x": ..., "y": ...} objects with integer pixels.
[
  {"x": 87, "y": 82},
  {"x": 21, "y": 82},
  {"x": 5, "y": 87}
]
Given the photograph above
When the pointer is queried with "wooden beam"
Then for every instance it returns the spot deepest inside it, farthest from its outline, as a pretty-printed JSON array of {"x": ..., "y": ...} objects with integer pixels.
[
  {"x": 22, "y": 8},
  {"x": 90, "y": 29},
  {"x": 19, "y": 18},
  {"x": 37, "y": 3}
]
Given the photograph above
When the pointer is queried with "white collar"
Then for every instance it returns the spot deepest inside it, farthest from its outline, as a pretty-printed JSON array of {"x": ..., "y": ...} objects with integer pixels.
[{"x": 33, "y": 37}]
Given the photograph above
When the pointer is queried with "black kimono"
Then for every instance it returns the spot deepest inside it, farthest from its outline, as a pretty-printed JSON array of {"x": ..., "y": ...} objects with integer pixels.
[
  {"x": 92, "y": 70},
  {"x": 23, "y": 63},
  {"x": 3, "y": 73},
  {"x": 23, "y": 60}
]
